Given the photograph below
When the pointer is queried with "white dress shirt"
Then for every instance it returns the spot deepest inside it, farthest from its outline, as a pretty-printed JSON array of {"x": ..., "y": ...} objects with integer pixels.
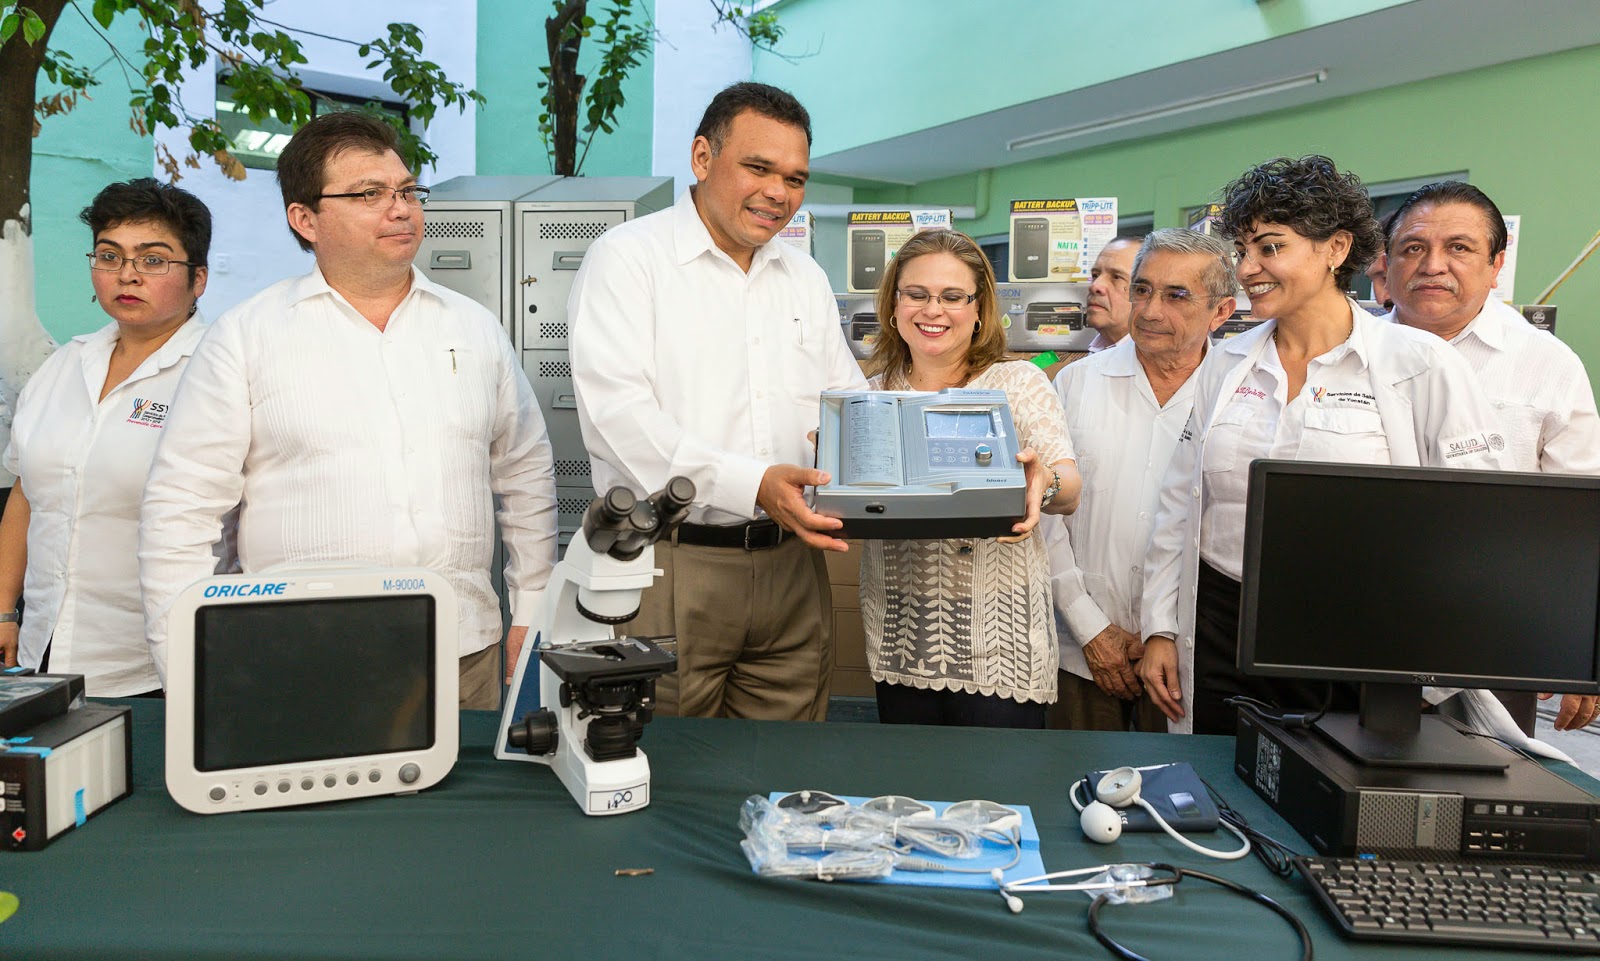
[
  {"x": 684, "y": 364},
  {"x": 347, "y": 443},
  {"x": 1539, "y": 390},
  {"x": 1124, "y": 439},
  {"x": 1423, "y": 402},
  {"x": 83, "y": 463}
]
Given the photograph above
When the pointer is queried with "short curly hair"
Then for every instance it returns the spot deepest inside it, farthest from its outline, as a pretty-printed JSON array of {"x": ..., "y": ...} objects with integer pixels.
[{"x": 1310, "y": 196}]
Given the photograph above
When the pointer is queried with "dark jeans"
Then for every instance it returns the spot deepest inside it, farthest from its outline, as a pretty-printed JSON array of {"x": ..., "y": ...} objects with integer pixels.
[{"x": 903, "y": 704}]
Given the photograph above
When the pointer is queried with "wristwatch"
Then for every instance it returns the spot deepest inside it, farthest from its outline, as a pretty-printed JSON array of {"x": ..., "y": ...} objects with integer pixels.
[
  {"x": 1051, "y": 491},
  {"x": 10, "y": 617}
]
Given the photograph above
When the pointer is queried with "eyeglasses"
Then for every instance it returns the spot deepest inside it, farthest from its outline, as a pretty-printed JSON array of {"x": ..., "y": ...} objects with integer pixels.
[
  {"x": 415, "y": 195},
  {"x": 150, "y": 264},
  {"x": 1141, "y": 293},
  {"x": 949, "y": 299}
]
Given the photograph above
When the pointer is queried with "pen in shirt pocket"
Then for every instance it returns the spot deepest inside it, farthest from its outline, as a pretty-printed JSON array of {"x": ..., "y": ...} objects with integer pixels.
[
  {"x": 800, "y": 329},
  {"x": 452, "y": 360}
]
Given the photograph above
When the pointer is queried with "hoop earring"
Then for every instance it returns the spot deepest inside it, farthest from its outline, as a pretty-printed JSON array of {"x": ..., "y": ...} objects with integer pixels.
[
  {"x": 976, "y": 325},
  {"x": 894, "y": 323}
]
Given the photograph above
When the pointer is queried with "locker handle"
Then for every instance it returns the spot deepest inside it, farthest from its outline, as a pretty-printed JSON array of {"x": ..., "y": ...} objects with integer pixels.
[
  {"x": 564, "y": 402},
  {"x": 566, "y": 260},
  {"x": 450, "y": 260}
]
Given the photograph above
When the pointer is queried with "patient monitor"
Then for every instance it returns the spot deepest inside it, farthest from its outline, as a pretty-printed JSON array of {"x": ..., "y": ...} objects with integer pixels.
[
  {"x": 320, "y": 684},
  {"x": 909, "y": 464}
]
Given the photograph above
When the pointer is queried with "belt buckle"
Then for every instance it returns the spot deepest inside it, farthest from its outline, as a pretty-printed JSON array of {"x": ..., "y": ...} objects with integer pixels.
[{"x": 764, "y": 542}]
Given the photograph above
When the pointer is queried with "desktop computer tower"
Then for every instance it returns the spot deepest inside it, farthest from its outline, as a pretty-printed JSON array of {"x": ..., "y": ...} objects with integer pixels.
[{"x": 1344, "y": 809}]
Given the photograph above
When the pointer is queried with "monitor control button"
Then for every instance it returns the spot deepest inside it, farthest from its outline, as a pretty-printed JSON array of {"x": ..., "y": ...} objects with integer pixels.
[
  {"x": 409, "y": 773},
  {"x": 283, "y": 787},
  {"x": 218, "y": 793},
  {"x": 984, "y": 453},
  {"x": 261, "y": 787},
  {"x": 373, "y": 775},
  {"x": 352, "y": 778},
  {"x": 307, "y": 784},
  {"x": 329, "y": 781}
]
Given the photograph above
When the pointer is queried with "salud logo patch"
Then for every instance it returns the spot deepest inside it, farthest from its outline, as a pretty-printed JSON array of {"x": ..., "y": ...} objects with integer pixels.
[{"x": 148, "y": 413}]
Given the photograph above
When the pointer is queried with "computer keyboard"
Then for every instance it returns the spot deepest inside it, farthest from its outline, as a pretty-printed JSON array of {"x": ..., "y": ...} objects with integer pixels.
[{"x": 1484, "y": 905}]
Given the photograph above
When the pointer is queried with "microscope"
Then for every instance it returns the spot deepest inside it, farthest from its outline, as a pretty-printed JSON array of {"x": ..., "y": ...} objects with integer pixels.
[{"x": 595, "y": 690}]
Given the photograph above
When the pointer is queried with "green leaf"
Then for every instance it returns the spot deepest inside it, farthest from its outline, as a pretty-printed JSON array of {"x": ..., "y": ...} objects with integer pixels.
[
  {"x": 104, "y": 11},
  {"x": 32, "y": 27},
  {"x": 9, "y": 25},
  {"x": 8, "y": 901}
]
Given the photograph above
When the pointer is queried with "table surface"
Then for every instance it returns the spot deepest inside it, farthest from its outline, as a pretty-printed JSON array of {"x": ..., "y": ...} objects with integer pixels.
[{"x": 498, "y": 862}]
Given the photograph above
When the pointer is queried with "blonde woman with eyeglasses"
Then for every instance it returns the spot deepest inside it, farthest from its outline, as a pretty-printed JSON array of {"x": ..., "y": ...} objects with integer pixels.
[{"x": 960, "y": 631}]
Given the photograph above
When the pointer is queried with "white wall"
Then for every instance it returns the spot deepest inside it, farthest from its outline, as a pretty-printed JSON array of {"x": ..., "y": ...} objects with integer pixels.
[
  {"x": 251, "y": 246},
  {"x": 692, "y": 62}
]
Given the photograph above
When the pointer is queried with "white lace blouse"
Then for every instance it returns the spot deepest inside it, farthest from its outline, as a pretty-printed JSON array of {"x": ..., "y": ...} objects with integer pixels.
[{"x": 971, "y": 614}]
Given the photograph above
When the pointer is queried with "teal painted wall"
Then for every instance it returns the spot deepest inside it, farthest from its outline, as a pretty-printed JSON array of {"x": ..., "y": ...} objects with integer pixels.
[
  {"x": 511, "y": 49},
  {"x": 73, "y": 157},
  {"x": 1524, "y": 131},
  {"x": 875, "y": 62}
]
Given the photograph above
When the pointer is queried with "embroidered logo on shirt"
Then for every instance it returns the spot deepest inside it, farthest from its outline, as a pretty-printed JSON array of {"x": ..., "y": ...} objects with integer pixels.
[
  {"x": 1249, "y": 391},
  {"x": 1467, "y": 446},
  {"x": 1343, "y": 398},
  {"x": 1497, "y": 442},
  {"x": 148, "y": 413}
]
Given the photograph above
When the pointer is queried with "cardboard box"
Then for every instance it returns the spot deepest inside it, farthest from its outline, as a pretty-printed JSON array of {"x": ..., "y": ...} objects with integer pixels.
[
  {"x": 801, "y": 233},
  {"x": 1046, "y": 241},
  {"x": 1204, "y": 219},
  {"x": 873, "y": 237}
]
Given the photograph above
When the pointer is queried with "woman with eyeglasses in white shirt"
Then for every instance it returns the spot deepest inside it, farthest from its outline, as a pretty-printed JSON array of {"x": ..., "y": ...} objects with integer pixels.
[
  {"x": 960, "y": 631},
  {"x": 85, "y": 431}
]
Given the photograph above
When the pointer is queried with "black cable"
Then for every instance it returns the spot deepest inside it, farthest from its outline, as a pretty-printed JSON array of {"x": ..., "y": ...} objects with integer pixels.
[
  {"x": 1276, "y": 715},
  {"x": 1181, "y": 873},
  {"x": 1277, "y": 856}
]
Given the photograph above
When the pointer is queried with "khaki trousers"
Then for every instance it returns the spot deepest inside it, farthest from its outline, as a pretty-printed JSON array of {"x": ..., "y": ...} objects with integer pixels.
[
  {"x": 481, "y": 680},
  {"x": 1081, "y": 706},
  {"x": 754, "y": 631}
]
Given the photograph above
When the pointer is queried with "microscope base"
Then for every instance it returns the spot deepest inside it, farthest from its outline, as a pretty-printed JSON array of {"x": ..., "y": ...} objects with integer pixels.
[{"x": 604, "y": 787}]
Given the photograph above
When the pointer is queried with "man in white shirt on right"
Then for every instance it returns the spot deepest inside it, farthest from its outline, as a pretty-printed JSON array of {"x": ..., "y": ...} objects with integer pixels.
[
  {"x": 1446, "y": 245},
  {"x": 1126, "y": 407}
]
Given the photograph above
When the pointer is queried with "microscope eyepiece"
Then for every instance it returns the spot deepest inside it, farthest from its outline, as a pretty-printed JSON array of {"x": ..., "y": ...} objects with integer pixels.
[
  {"x": 618, "y": 503},
  {"x": 678, "y": 494}
]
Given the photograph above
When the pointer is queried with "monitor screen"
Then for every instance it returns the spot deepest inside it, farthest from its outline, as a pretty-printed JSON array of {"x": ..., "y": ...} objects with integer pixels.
[
  {"x": 1422, "y": 576},
  {"x": 295, "y": 681}
]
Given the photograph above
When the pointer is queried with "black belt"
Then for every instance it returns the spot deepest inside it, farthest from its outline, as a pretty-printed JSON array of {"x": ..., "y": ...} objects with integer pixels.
[{"x": 754, "y": 536}]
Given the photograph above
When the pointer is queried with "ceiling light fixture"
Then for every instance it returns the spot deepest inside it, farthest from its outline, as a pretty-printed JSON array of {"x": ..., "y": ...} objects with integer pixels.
[{"x": 1169, "y": 110}]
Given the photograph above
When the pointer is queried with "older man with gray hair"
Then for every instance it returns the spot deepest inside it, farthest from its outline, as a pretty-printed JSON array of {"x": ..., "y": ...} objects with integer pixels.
[{"x": 1126, "y": 407}]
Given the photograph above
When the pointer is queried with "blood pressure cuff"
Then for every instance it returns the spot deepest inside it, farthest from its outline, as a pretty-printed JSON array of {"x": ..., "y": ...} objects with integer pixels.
[{"x": 1175, "y": 790}]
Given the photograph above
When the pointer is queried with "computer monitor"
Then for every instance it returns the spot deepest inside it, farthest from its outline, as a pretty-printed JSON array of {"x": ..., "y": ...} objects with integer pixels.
[
  {"x": 1405, "y": 577},
  {"x": 305, "y": 686}
]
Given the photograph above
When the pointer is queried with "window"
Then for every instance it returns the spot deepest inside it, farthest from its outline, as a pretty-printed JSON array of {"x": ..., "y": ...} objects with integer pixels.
[{"x": 258, "y": 143}]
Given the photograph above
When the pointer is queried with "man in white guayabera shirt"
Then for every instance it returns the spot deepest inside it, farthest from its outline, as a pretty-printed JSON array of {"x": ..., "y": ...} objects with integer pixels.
[
  {"x": 1446, "y": 245},
  {"x": 359, "y": 413},
  {"x": 1126, "y": 407},
  {"x": 700, "y": 343}
]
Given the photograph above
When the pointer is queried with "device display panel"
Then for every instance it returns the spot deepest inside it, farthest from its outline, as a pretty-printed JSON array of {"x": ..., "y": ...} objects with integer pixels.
[
  {"x": 297, "y": 681},
  {"x": 1391, "y": 577},
  {"x": 951, "y": 424}
]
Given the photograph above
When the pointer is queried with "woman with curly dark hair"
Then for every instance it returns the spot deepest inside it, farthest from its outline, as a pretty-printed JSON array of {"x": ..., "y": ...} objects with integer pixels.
[{"x": 1320, "y": 380}]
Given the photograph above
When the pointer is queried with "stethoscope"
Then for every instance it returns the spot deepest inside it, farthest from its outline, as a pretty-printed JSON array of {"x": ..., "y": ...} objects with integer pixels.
[{"x": 1125, "y": 877}]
